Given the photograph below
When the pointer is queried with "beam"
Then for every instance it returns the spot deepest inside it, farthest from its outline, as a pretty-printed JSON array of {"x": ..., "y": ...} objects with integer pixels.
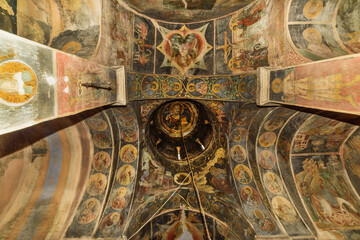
[
  {"x": 38, "y": 83},
  {"x": 331, "y": 85}
]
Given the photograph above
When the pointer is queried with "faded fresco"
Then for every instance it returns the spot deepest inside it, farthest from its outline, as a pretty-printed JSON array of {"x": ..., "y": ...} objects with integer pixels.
[
  {"x": 144, "y": 45},
  {"x": 115, "y": 43},
  {"x": 334, "y": 89},
  {"x": 244, "y": 49},
  {"x": 34, "y": 179},
  {"x": 321, "y": 179},
  {"x": 184, "y": 48},
  {"x": 119, "y": 204},
  {"x": 350, "y": 159},
  {"x": 97, "y": 182},
  {"x": 240, "y": 88},
  {"x": 186, "y": 11},
  {"x": 256, "y": 211},
  {"x": 79, "y": 32},
  {"x": 164, "y": 182},
  {"x": 270, "y": 174},
  {"x": 8, "y": 12},
  {"x": 26, "y": 83},
  {"x": 73, "y": 27},
  {"x": 77, "y": 81},
  {"x": 324, "y": 29}
]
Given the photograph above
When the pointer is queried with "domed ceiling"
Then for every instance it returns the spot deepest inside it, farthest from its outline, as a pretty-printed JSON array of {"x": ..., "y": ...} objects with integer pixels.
[{"x": 186, "y": 10}]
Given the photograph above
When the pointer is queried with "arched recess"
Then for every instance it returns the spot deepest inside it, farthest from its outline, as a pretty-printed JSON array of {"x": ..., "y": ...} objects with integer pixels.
[
  {"x": 319, "y": 173},
  {"x": 70, "y": 26},
  {"x": 249, "y": 189},
  {"x": 163, "y": 183},
  {"x": 42, "y": 178},
  {"x": 323, "y": 29},
  {"x": 187, "y": 224}
]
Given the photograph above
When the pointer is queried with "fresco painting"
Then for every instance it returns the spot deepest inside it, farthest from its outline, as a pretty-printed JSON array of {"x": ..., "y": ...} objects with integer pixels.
[
  {"x": 350, "y": 159},
  {"x": 80, "y": 28},
  {"x": 26, "y": 72},
  {"x": 185, "y": 48},
  {"x": 179, "y": 11},
  {"x": 34, "y": 21},
  {"x": 73, "y": 95},
  {"x": 97, "y": 181},
  {"x": 321, "y": 134},
  {"x": 324, "y": 29},
  {"x": 8, "y": 12},
  {"x": 144, "y": 35},
  {"x": 244, "y": 177},
  {"x": 334, "y": 89},
  {"x": 241, "y": 87},
  {"x": 121, "y": 35},
  {"x": 249, "y": 50},
  {"x": 348, "y": 25},
  {"x": 42, "y": 167},
  {"x": 119, "y": 203},
  {"x": 326, "y": 195},
  {"x": 224, "y": 45},
  {"x": 271, "y": 177},
  {"x": 276, "y": 43}
]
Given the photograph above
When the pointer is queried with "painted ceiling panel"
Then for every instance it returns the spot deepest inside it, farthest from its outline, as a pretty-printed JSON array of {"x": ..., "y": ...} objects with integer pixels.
[{"x": 186, "y": 10}]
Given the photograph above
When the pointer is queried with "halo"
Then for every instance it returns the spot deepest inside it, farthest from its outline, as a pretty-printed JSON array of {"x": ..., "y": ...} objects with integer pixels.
[{"x": 276, "y": 85}]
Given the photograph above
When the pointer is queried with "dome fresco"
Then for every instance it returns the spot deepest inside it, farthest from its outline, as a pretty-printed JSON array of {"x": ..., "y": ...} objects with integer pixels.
[
  {"x": 184, "y": 11},
  {"x": 233, "y": 120}
]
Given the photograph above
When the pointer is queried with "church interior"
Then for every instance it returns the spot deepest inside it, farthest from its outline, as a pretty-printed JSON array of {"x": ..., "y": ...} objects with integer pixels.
[{"x": 180, "y": 119}]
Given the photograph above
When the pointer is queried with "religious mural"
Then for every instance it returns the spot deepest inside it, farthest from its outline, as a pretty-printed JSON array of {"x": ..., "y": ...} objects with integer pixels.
[
  {"x": 253, "y": 205},
  {"x": 186, "y": 48},
  {"x": 270, "y": 174},
  {"x": 186, "y": 11},
  {"x": 350, "y": 159},
  {"x": 334, "y": 89},
  {"x": 71, "y": 27},
  {"x": 240, "y": 88},
  {"x": 82, "y": 84},
  {"x": 324, "y": 29},
  {"x": 92, "y": 200},
  {"x": 116, "y": 36},
  {"x": 35, "y": 174},
  {"x": 118, "y": 205},
  {"x": 144, "y": 42},
  {"x": 244, "y": 49},
  {"x": 26, "y": 83}
]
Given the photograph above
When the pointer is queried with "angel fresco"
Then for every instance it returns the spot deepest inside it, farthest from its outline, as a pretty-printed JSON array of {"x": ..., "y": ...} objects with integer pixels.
[{"x": 184, "y": 50}]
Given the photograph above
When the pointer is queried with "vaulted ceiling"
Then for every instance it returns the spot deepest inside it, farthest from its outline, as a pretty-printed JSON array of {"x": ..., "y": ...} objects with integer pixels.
[{"x": 191, "y": 155}]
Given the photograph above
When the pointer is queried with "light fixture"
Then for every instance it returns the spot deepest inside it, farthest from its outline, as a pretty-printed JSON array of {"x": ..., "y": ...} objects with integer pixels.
[
  {"x": 178, "y": 153},
  {"x": 201, "y": 145}
]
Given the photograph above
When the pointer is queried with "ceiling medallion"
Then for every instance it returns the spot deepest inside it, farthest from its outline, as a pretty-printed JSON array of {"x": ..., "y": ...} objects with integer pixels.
[{"x": 184, "y": 48}]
